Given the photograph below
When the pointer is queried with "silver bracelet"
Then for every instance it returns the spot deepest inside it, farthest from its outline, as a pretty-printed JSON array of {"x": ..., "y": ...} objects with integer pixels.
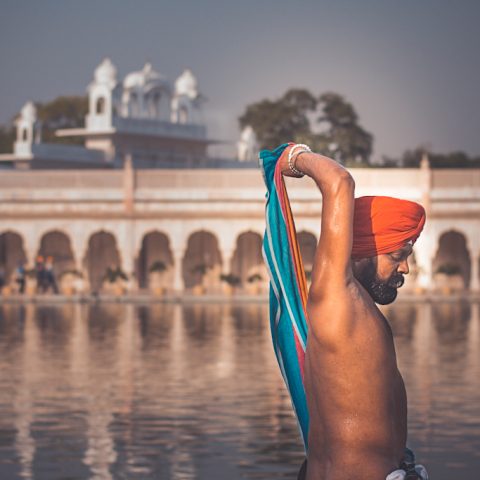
[{"x": 304, "y": 148}]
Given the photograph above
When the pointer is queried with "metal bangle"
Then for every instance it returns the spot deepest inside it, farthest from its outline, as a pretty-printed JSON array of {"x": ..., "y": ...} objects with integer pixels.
[{"x": 291, "y": 163}]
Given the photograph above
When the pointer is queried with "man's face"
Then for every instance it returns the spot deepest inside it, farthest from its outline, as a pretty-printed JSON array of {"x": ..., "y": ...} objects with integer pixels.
[{"x": 382, "y": 275}]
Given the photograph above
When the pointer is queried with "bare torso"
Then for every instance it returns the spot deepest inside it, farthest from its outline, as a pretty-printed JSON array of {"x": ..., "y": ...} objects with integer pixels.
[{"x": 355, "y": 393}]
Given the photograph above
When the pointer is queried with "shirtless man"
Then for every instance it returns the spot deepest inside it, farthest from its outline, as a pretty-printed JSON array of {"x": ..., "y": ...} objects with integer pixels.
[{"x": 355, "y": 394}]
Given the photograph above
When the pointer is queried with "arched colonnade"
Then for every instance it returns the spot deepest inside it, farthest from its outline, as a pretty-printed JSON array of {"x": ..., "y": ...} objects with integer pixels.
[{"x": 184, "y": 258}]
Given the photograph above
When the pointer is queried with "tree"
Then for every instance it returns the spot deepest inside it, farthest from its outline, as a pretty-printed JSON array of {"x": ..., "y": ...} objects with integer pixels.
[
  {"x": 337, "y": 132},
  {"x": 7, "y": 137},
  {"x": 412, "y": 159},
  {"x": 345, "y": 139},
  {"x": 275, "y": 122},
  {"x": 63, "y": 112}
]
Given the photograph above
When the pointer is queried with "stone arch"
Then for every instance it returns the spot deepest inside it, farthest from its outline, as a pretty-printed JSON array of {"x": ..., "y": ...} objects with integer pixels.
[
  {"x": 102, "y": 252},
  {"x": 247, "y": 258},
  {"x": 100, "y": 105},
  {"x": 12, "y": 253},
  {"x": 134, "y": 104},
  {"x": 156, "y": 101},
  {"x": 202, "y": 261},
  {"x": 452, "y": 252},
  {"x": 307, "y": 242},
  {"x": 154, "y": 104},
  {"x": 24, "y": 134},
  {"x": 155, "y": 248},
  {"x": 56, "y": 244}
]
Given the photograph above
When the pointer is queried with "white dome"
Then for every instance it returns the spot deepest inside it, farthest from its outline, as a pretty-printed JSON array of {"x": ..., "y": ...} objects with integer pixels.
[
  {"x": 186, "y": 84},
  {"x": 29, "y": 112},
  {"x": 147, "y": 77},
  {"x": 106, "y": 72}
]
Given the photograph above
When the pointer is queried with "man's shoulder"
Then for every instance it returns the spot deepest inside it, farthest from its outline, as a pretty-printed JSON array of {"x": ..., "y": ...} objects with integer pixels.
[
  {"x": 334, "y": 295},
  {"x": 336, "y": 312}
]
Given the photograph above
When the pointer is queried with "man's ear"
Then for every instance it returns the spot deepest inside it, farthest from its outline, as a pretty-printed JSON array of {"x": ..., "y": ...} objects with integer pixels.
[{"x": 359, "y": 265}]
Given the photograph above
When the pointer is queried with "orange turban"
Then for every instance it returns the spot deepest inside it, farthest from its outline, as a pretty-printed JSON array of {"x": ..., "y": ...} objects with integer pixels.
[{"x": 384, "y": 224}]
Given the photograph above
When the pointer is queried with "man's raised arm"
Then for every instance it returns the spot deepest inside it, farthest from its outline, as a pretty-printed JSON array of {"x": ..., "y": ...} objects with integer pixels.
[{"x": 332, "y": 269}]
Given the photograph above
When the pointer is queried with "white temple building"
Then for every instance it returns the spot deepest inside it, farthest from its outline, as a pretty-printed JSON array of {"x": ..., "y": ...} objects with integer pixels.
[
  {"x": 144, "y": 117},
  {"x": 111, "y": 203}
]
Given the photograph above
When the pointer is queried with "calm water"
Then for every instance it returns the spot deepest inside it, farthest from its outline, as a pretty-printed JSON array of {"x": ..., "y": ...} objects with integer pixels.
[{"x": 193, "y": 392}]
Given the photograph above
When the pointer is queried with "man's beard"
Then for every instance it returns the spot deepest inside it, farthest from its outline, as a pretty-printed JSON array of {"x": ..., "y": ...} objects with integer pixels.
[{"x": 382, "y": 292}]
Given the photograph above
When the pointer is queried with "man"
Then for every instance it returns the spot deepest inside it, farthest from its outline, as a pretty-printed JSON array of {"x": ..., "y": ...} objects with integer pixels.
[{"x": 355, "y": 394}]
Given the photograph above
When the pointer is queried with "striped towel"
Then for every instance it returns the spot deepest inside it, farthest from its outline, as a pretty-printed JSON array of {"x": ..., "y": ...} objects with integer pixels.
[{"x": 288, "y": 286}]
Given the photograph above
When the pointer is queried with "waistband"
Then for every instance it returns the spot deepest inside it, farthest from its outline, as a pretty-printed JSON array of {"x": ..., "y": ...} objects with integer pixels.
[{"x": 408, "y": 469}]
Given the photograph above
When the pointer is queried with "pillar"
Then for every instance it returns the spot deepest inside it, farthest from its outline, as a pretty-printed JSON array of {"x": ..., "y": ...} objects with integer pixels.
[
  {"x": 426, "y": 182},
  {"x": 424, "y": 253},
  {"x": 227, "y": 257},
  {"x": 31, "y": 244},
  {"x": 124, "y": 236},
  {"x": 79, "y": 238},
  {"x": 474, "y": 271},
  {"x": 128, "y": 185},
  {"x": 178, "y": 284}
]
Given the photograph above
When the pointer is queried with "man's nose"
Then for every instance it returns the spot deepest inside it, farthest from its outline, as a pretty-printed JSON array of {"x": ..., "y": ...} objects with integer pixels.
[{"x": 403, "y": 267}]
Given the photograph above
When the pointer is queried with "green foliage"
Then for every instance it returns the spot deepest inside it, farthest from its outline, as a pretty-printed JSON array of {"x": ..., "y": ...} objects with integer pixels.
[
  {"x": 449, "y": 269},
  {"x": 200, "y": 269},
  {"x": 255, "y": 277},
  {"x": 336, "y": 133},
  {"x": 230, "y": 278},
  {"x": 345, "y": 139},
  {"x": 412, "y": 159},
  {"x": 114, "y": 273},
  {"x": 275, "y": 122},
  {"x": 7, "y": 137},
  {"x": 63, "y": 112},
  {"x": 74, "y": 272},
  {"x": 157, "y": 266}
]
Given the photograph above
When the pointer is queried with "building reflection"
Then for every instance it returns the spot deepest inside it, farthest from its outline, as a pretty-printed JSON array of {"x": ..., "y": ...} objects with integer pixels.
[
  {"x": 24, "y": 394},
  {"x": 187, "y": 391}
]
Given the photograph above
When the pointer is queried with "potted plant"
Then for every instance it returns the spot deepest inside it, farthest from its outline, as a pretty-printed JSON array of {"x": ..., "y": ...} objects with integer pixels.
[
  {"x": 200, "y": 270},
  {"x": 155, "y": 277},
  {"x": 30, "y": 281},
  {"x": 448, "y": 277},
  {"x": 231, "y": 281},
  {"x": 254, "y": 283},
  {"x": 114, "y": 279},
  {"x": 69, "y": 281}
]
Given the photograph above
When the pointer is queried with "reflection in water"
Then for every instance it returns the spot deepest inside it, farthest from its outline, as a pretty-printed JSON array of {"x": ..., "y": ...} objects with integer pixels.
[{"x": 194, "y": 392}]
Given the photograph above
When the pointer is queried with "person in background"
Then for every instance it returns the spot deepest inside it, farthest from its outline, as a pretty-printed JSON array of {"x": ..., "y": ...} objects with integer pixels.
[
  {"x": 20, "y": 277},
  {"x": 50, "y": 275}
]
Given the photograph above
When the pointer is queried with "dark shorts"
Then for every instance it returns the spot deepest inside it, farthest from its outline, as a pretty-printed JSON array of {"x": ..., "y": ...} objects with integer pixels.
[{"x": 302, "y": 474}]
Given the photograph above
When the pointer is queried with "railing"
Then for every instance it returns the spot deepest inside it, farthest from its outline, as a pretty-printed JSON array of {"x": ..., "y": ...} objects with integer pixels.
[
  {"x": 67, "y": 153},
  {"x": 368, "y": 181},
  {"x": 160, "y": 128}
]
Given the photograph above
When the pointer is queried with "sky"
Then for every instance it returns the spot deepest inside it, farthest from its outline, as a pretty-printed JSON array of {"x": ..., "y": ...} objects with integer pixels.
[{"x": 411, "y": 68}]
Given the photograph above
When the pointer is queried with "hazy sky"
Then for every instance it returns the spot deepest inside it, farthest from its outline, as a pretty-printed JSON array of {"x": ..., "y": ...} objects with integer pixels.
[{"x": 410, "y": 68}]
